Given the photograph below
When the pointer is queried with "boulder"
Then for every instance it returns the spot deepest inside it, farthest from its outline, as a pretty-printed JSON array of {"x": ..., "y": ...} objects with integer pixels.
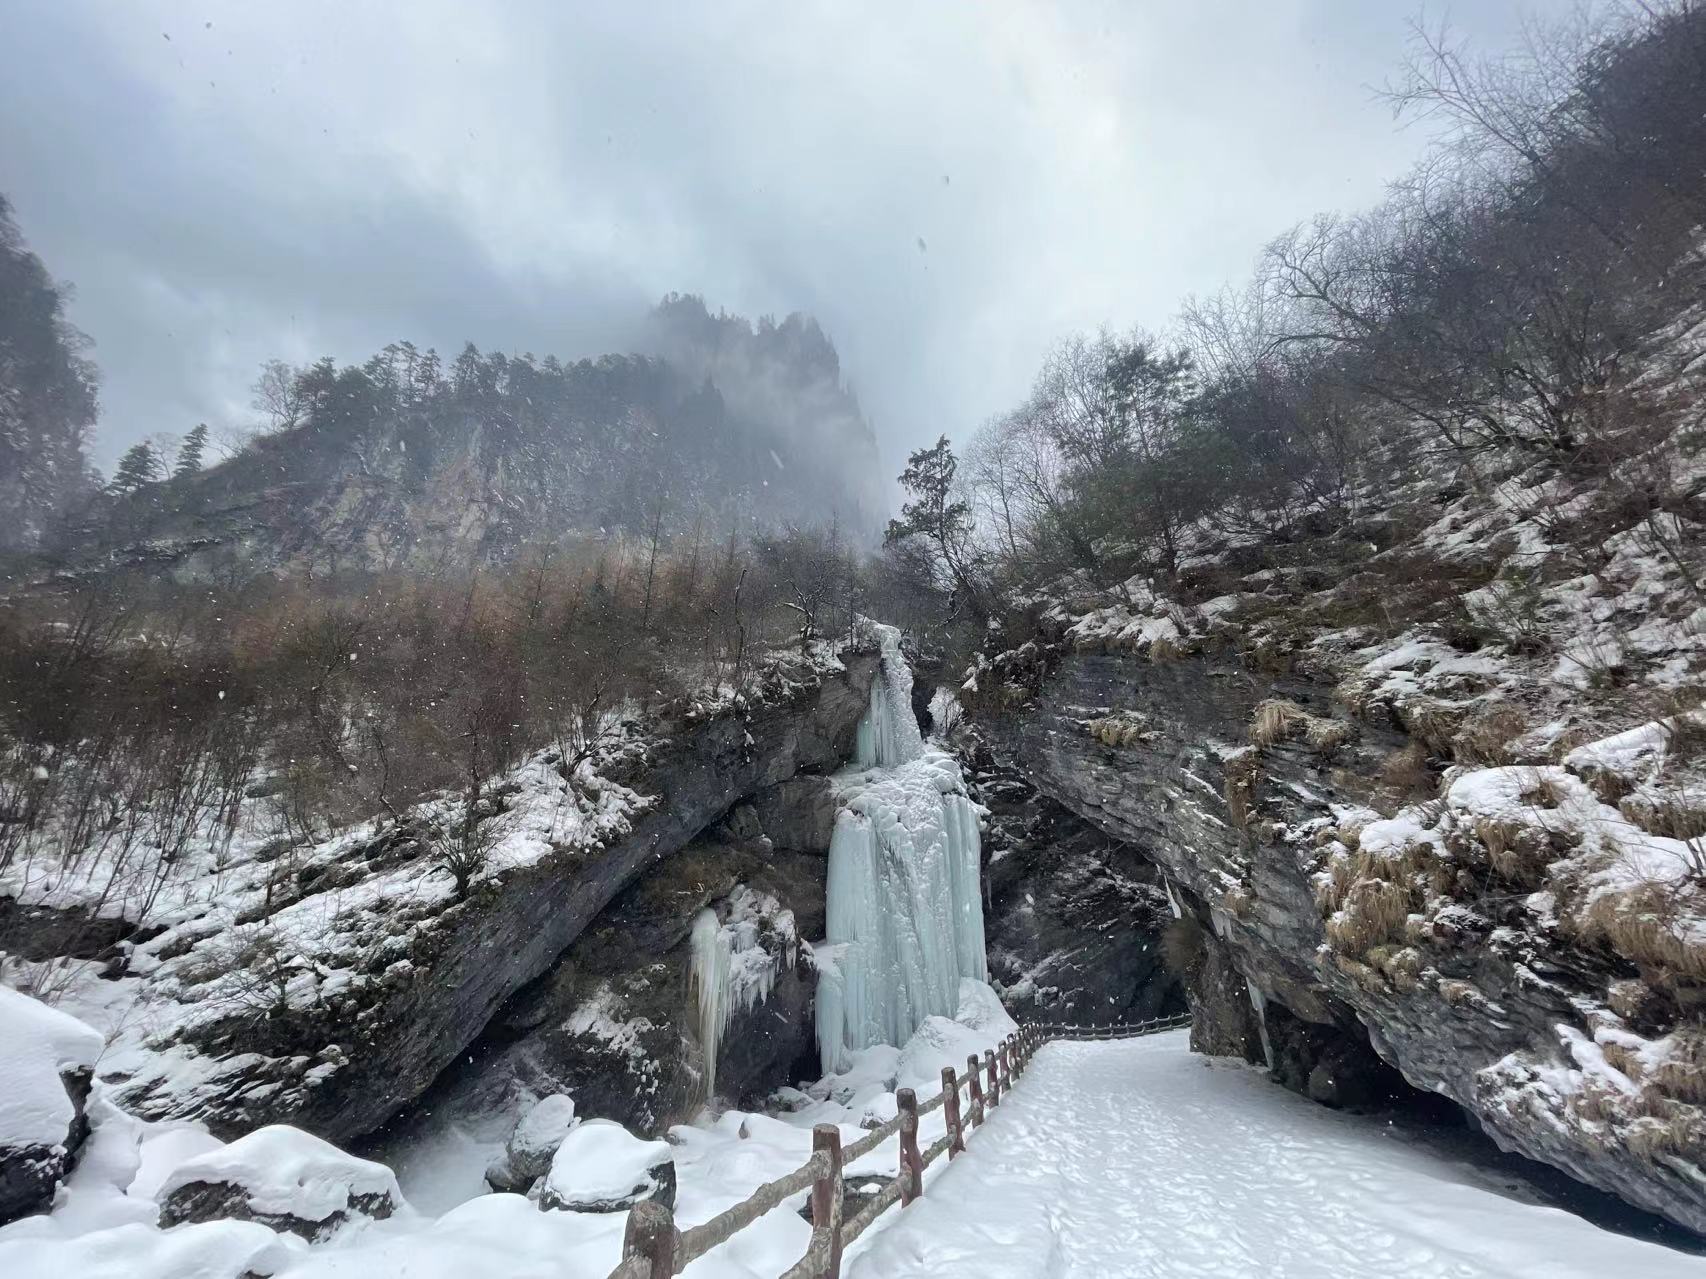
[
  {"x": 602, "y": 1167},
  {"x": 282, "y": 1177},
  {"x": 527, "y": 1155},
  {"x": 47, "y": 1061}
]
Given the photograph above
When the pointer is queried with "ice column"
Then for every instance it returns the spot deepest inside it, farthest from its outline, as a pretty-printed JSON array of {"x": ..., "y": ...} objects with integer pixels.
[{"x": 905, "y": 910}]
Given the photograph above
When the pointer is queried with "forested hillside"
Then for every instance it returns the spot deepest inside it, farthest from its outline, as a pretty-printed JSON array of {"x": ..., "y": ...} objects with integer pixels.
[{"x": 405, "y": 462}]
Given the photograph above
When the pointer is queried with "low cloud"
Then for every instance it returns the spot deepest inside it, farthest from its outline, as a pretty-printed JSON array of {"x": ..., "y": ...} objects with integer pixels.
[{"x": 947, "y": 188}]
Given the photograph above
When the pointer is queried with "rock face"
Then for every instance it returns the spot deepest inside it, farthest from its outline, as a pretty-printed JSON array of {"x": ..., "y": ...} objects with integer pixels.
[
  {"x": 1074, "y": 918},
  {"x": 339, "y": 1066},
  {"x": 1487, "y": 1002},
  {"x": 615, "y": 1022},
  {"x": 47, "y": 1062},
  {"x": 283, "y": 1178}
]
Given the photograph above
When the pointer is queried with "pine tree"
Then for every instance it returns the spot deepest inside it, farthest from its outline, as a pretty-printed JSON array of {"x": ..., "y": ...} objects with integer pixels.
[
  {"x": 190, "y": 451},
  {"x": 140, "y": 465},
  {"x": 936, "y": 514}
]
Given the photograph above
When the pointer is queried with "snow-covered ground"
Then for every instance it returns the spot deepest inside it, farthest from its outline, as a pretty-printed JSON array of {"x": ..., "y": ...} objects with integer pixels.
[
  {"x": 104, "y": 1223},
  {"x": 1138, "y": 1158}
]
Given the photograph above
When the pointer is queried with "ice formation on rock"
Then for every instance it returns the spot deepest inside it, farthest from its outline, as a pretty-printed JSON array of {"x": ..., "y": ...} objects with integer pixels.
[
  {"x": 905, "y": 914},
  {"x": 730, "y": 967}
]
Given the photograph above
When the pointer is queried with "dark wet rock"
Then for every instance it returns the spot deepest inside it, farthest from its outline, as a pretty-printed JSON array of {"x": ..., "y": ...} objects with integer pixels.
[
  {"x": 46, "y": 1068},
  {"x": 614, "y": 1022},
  {"x": 1074, "y": 918},
  {"x": 528, "y": 1152},
  {"x": 857, "y": 1190},
  {"x": 798, "y": 815}
]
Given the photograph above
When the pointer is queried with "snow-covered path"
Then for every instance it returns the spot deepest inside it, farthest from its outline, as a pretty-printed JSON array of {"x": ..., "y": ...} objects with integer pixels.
[{"x": 1139, "y": 1158}]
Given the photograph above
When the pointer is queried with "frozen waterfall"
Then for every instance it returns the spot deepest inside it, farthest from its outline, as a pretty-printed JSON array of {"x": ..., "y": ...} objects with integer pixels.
[{"x": 905, "y": 912}]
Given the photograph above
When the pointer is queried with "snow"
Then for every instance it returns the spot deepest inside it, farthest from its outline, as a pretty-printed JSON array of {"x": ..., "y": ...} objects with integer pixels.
[
  {"x": 905, "y": 911},
  {"x": 204, "y": 1250},
  {"x": 602, "y": 1160},
  {"x": 285, "y": 1172},
  {"x": 542, "y": 1129},
  {"x": 1138, "y": 1158},
  {"x": 162, "y": 1152},
  {"x": 37, "y": 1044}
]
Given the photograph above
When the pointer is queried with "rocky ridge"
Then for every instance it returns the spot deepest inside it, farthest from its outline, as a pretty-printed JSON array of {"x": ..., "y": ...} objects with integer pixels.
[{"x": 1388, "y": 764}]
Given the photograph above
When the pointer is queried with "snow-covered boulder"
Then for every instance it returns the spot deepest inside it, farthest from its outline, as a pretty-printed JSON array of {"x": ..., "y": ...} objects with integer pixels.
[
  {"x": 281, "y": 1177},
  {"x": 538, "y": 1133},
  {"x": 602, "y": 1167},
  {"x": 47, "y": 1061}
]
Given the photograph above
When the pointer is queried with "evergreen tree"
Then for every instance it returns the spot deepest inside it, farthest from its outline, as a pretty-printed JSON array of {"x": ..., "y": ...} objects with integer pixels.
[
  {"x": 190, "y": 451},
  {"x": 934, "y": 512},
  {"x": 47, "y": 395},
  {"x": 140, "y": 465}
]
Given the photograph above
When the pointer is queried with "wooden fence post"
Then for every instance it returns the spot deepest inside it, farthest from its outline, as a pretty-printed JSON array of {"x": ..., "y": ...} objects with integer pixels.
[
  {"x": 994, "y": 1080},
  {"x": 826, "y": 1198},
  {"x": 951, "y": 1109},
  {"x": 974, "y": 1094},
  {"x": 911, "y": 1162},
  {"x": 651, "y": 1236}
]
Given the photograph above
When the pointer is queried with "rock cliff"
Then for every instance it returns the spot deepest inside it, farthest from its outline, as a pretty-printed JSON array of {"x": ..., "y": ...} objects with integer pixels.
[
  {"x": 1437, "y": 934},
  {"x": 333, "y": 1009}
]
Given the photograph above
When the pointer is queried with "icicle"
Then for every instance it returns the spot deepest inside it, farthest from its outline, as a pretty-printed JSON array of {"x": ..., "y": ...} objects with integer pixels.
[
  {"x": 1172, "y": 901},
  {"x": 729, "y": 968},
  {"x": 710, "y": 978},
  {"x": 1259, "y": 1002}
]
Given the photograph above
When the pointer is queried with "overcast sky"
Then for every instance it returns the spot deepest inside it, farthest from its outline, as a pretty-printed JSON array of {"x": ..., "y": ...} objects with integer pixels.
[{"x": 947, "y": 187}]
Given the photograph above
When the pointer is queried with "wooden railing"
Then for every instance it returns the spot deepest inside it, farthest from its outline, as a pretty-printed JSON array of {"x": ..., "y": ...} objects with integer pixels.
[{"x": 653, "y": 1248}]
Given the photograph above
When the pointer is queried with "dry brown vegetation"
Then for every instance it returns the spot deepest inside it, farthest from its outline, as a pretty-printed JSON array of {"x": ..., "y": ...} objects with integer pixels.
[
  {"x": 139, "y": 717},
  {"x": 1277, "y": 720}
]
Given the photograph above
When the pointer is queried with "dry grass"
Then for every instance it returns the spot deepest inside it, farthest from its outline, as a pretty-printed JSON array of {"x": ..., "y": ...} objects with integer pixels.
[
  {"x": 1433, "y": 722},
  {"x": 1274, "y": 721},
  {"x": 1277, "y": 720},
  {"x": 1676, "y": 814},
  {"x": 1631, "y": 999},
  {"x": 1651, "y": 925},
  {"x": 1487, "y": 734},
  {"x": 1243, "y": 772},
  {"x": 1682, "y": 1073},
  {"x": 1400, "y": 965},
  {"x": 1406, "y": 777},
  {"x": 1121, "y": 730},
  {"x": 1166, "y": 649},
  {"x": 1373, "y": 911}
]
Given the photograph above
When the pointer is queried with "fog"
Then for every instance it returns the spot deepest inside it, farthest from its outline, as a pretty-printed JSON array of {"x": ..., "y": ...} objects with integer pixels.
[{"x": 948, "y": 188}]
